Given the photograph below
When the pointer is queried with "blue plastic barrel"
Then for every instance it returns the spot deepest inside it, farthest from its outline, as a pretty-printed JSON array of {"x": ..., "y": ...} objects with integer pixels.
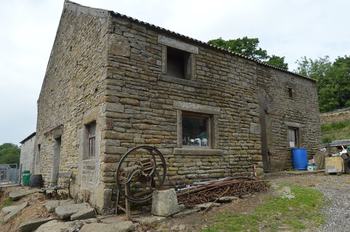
[{"x": 299, "y": 158}]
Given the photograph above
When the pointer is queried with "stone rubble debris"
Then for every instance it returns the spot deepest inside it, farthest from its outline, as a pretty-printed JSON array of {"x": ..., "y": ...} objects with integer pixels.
[
  {"x": 12, "y": 211},
  {"x": 32, "y": 225},
  {"x": 18, "y": 194},
  {"x": 64, "y": 212}
]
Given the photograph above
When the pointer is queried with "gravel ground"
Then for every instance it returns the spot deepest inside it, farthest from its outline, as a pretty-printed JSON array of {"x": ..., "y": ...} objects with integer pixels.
[{"x": 336, "y": 189}]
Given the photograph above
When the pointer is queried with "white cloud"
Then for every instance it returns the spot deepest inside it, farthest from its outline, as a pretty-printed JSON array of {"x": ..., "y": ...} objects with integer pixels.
[{"x": 291, "y": 28}]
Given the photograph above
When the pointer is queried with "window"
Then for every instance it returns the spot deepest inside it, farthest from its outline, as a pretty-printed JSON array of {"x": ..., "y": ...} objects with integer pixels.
[
  {"x": 290, "y": 92},
  {"x": 293, "y": 137},
  {"x": 91, "y": 140},
  {"x": 37, "y": 158},
  {"x": 196, "y": 129},
  {"x": 178, "y": 63}
]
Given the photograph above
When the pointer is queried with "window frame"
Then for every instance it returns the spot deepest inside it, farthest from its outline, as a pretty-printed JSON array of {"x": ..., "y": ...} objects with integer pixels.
[
  {"x": 296, "y": 136},
  {"x": 209, "y": 125},
  {"x": 186, "y": 62},
  {"x": 90, "y": 140},
  {"x": 211, "y": 129}
]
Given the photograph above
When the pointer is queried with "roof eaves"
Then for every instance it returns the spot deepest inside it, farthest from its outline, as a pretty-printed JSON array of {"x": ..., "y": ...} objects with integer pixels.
[{"x": 28, "y": 137}]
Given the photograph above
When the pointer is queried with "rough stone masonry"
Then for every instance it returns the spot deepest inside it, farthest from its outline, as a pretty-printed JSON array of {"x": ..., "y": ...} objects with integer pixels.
[{"x": 113, "y": 82}]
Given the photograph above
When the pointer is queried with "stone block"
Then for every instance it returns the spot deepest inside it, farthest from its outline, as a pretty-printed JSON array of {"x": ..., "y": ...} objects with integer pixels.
[
  {"x": 65, "y": 211},
  {"x": 124, "y": 226},
  {"x": 14, "y": 211},
  {"x": 18, "y": 194},
  {"x": 83, "y": 214},
  {"x": 164, "y": 203},
  {"x": 32, "y": 225}
]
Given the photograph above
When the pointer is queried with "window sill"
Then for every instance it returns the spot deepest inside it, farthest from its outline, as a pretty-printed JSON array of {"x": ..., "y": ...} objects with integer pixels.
[
  {"x": 197, "y": 151},
  {"x": 178, "y": 80}
]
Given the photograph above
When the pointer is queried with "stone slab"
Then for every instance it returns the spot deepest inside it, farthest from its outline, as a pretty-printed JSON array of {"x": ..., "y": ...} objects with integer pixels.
[
  {"x": 186, "y": 212},
  {"x": 164, "y": 203},
  {"x": 15, "y": 211},
  {"x": 65, "y": 211},
  {"x": 125, "y": 226},
  {"x": 59, "y": 226},
  {"x": 51, "y": 205},
  {"x": 8, "y": 209},
  {"x": 207, "y": 205},
  {"x": 18, "y": 194},
  {"x": 148, "y": 220},
  {"x": 227, "y": 199},
  {"x": 32, "y": 225},
  {"x": 83, "y": 214}
]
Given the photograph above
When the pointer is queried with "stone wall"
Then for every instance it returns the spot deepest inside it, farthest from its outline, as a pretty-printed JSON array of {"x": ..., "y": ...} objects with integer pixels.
[
  {"x": 282, "y": 111},
  {"x": 335, "y": 116},
  {"x": 27, "y": 154},
  {"x": 71, "y": 96},
  {"x": 108, "y": 68}
]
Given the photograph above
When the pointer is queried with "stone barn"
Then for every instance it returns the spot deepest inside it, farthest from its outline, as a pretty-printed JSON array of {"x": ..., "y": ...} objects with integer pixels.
[
  {"x": 27, "y": 156},
  {"x": 114, "y": 82}
]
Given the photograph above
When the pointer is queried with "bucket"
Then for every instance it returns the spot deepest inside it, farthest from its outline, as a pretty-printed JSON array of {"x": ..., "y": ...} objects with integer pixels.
[
  {"x": 299, "y": 158},
  {"x": 36, "y": 181},
  {"x": 26, "y": 177}
]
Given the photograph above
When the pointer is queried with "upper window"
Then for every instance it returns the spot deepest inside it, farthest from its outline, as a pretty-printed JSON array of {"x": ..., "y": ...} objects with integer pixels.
[
  {"x": 178, "y": 63},
  {"x": 91, "y": 140},
  {"x": 293, "y": 137},
  {"x": 196, "y": 129},
  {"x": 290, "y": 92}
]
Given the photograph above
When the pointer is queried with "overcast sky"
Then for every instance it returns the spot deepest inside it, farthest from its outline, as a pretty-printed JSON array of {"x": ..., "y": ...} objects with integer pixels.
[{"x": 290, "y": 28}]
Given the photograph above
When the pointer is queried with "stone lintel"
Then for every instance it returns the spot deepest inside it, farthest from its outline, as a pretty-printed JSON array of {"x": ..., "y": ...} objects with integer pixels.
[
  {"x": 194, "y": 107},
  {"x": 177, "y": 44}
]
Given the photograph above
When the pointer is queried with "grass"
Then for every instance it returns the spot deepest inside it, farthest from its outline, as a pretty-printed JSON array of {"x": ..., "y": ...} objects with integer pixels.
[
  {"x": 335, "y": 131},
  {"x": 6, "y": 202},
  {"x": 299, "y": 213}
]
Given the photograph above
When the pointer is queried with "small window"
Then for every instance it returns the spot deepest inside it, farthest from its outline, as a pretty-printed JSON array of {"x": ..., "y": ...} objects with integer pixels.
[
  {"x": 293, "y": 137},
  {"x": 196, "y": 129},
  {"x": 37, "y": 158},
  {"x": 91, "y": 140},
  {"x": 178, "y": 63},
  {"x": 290, "y": 92}
]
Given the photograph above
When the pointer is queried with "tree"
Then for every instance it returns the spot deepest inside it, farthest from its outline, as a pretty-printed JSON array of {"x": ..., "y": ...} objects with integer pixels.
[
  {"x": 333, "y": 80},
  {"x": 249, "y": 47},
  {"x": 277, "y": 61},
  {"x": 9, "y": 153}
]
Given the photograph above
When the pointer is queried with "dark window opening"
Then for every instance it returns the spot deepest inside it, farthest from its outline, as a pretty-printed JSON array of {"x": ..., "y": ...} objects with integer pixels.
[
  {"x": 178, "y": 63},
  {"x": 290, "y": 92},
  {"x": 293, "y": 137},
  {"x": 196, "y": 129},
  {"x": 91, "y": 140},
  {"x": 37, "y": 158}
]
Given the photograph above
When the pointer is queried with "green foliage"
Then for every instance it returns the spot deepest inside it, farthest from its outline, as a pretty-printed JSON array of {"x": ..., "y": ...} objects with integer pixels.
[
  {"x": 250, "y": 48},
  {"x": 277, "y": 61},
  {"x": 333, "y": 80},
  {"x": 6, "y": 202},
  {"x": 9, "y": 153},
  {"x": 300, "y": 213},
  {"x": 335, "y": 131}
]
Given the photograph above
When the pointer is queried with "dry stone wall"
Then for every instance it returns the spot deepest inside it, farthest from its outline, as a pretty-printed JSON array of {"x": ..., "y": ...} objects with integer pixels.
[
  {"x": 71, "y": 96},
  {"x": 335, "y": 116}
]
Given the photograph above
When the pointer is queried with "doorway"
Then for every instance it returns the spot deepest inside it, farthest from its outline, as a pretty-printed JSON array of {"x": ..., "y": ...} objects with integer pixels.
[{"x": 56, "y": 161}]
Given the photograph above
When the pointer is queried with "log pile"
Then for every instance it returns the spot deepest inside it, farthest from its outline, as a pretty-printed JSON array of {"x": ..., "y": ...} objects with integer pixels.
[{"x": 211, "y": 191}]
